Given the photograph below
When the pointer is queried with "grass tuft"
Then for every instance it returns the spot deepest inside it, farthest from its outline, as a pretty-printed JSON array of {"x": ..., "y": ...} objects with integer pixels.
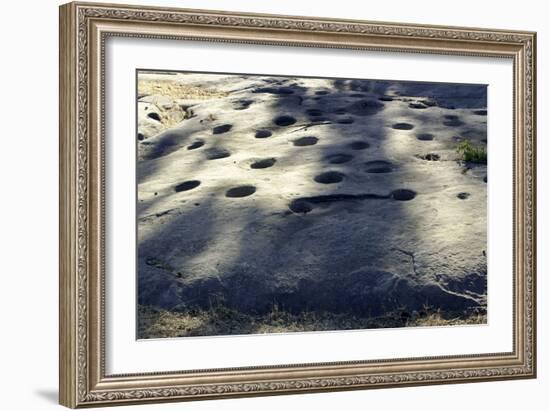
[{"x": 471, "y": 153}]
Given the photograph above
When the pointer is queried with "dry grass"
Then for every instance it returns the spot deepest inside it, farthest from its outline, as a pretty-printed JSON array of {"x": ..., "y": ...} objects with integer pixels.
[
  {"x": 221, "y": 320},
  {"x": 437, "y": 320},
  {"x": 153, "y": 323},
  {"x": 175, "y": 90},
  {"x": 172, "y": 115}
]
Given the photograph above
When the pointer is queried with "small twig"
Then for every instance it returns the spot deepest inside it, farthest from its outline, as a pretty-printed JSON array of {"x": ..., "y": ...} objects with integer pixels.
[{"x": 306, "y": 126}]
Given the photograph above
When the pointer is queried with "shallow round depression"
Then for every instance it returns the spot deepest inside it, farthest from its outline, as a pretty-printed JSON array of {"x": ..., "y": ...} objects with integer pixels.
[
  {"x": 263, "y": 163},
  {"x": 284, "y": 120},
  {"x": 403, "y": 194},
  {"x": 240, "y": 191},
  {"x": 329, "y": 177},
  {"x": 300, "y": 206},
  {"x": 402, "y": 126},
  {"x": 378, "y": 167},
  {"x": 263, "y": 133},
  {"x": 187, "y": 185}
]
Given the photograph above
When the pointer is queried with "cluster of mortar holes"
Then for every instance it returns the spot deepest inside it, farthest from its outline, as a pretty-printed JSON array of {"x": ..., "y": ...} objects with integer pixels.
[
  {"x": 140, "y": 136},
  {"x": 195, "y": 144},
  {"x": 284, "y": 120},
  {"x": 402, "y": 126},
  {"x": 463, "y": 195},
  {"x": 305, "y": 141},
  {"x": 425, "y": 137},
  {"x": 403, "y": 194},
  {"x": 187, "y": 185},
  {"x": 240, "y": 191},
  {"x": 417, "y": 105},
  {"x": 339, "y": 158},
  {"x": 217, "y": 153},
  {"x": 345, "y": 120},
  {"x": 263, "y": 133},
  {"x": 300, "y": 206},
  {"x": 359, "y": 145},
  {"x": 314, "y": 112},
  {"x": 480, "y": 112},
  {"x": 329, "y": 177},
  {"x": 264, "y": 163},
  {"x": 429, "y": 157},
  {"x": 378, "y": 167},
  {"x": 451, "y": 120},
  {"x": 224, "y": 128},
  {"x": 385, "y": 98},
  {"x": 154, "y": 116},
  {"x": 321, "y": 93}
]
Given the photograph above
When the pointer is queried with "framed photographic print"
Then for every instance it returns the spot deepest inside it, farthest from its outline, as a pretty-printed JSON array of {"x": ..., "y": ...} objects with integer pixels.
[{"x": 259, "y": 204}]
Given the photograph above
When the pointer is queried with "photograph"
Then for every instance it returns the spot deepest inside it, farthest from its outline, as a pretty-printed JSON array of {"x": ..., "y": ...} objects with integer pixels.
[
  {"x": 264, "y": 202},
  {"x": 279, "y": 204}
]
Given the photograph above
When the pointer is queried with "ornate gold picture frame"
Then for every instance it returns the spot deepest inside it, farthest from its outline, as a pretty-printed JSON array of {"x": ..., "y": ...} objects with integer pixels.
[{"x": 84, "y": 29}]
